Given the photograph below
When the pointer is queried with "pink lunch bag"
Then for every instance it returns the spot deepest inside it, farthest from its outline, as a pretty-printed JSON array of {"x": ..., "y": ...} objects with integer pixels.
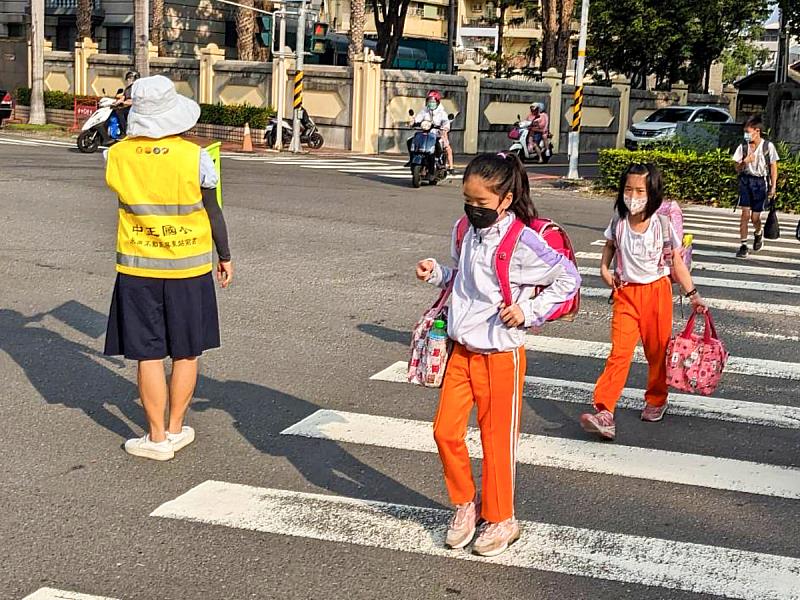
[
  {"x": 695, "y": 362},
  {"x": 421, "y": 364}
]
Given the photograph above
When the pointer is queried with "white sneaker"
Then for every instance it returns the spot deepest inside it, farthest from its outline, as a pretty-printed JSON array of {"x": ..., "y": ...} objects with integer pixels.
[
  {"x": 182, "y": 439},
  {"x": 146, "y": 448}
]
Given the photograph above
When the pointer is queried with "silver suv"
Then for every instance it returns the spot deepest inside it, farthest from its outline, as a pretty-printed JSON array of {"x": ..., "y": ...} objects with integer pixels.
[{"x": 661, "y": 125}]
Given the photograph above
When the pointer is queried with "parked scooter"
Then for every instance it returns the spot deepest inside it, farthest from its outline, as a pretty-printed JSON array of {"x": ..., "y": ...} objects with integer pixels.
[
  {"x": 101, "y": 129},
  {"x": 309, "y": 134},
  {"x": 519, "y": 145},
  {"x": 427, "y": 157}
]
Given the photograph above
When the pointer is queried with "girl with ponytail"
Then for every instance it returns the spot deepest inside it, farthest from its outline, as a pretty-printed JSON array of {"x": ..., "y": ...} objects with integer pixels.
[{"x": 487, "y": 365}]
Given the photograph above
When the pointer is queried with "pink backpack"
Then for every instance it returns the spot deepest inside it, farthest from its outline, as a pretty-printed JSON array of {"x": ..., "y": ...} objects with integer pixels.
[
  {"x": 694, "y": 362},
  {"x": 552, "y": 234}
]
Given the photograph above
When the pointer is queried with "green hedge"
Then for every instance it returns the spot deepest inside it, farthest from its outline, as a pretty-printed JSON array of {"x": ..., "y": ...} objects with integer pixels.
[
  {"x": 235, "y": 115},
  {"x": 53, "y": 100},
  {"x": 708, "y": 178}
]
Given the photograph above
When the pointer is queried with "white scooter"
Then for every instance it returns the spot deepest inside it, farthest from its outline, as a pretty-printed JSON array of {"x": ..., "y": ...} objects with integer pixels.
[
  {"x": 519, "y": 145},
  {"x": 101, "y": 129}
]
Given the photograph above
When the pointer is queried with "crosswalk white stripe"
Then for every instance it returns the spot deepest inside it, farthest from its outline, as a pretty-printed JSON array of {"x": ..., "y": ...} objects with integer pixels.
[
  {"x": 375, "y": 169},
  {"x": 717, "y": 223},
  {"x": 53, "y": 594},
  {"x": 561, "y": 453},
  {"x": 755, "y": 259},
  {"x": 684, "y": 405},
  {"x": 785, "y": 230},
  {"x": 737, "y": 365},
  {"x": 741, "y": 284},
  {"x": 721, "y": 267},
  {"x": 738, "y": 306},
  {"x": 703, "y": 233},
  {"x": 735, "y": 245},
  {"x": 726, "y": 216},
  {"x": 36, "y": 142},
  {"x": 545, "y": 547}
]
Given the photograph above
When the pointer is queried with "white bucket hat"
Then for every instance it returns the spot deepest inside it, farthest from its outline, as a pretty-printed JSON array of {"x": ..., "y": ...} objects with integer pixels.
[{"x": 158, "y": 111}]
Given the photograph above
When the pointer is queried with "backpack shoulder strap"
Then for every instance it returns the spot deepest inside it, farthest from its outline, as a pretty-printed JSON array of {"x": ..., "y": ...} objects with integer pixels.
[
  {"x": 665, "y": 225},
  {"x": 502, "y": 259},
  {"x": 462, "y": 226}
]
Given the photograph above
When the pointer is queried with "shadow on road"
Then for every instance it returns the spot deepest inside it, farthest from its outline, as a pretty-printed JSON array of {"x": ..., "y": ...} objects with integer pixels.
[{"x": 78, "y": 376}]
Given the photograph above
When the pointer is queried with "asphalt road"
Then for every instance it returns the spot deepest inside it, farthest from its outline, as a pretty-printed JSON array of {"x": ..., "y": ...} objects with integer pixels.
[{"x": 323, "y": 300}]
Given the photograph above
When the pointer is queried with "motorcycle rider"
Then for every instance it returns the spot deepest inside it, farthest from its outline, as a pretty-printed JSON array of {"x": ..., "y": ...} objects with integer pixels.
[
  {"x": 436, "y": 114},
  {"x": 538, "y": 129},
  {"x": 123, "y": 104}
]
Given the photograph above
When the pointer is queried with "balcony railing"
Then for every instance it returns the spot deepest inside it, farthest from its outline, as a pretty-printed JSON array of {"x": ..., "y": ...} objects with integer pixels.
[{"x": 68, "y": 4}]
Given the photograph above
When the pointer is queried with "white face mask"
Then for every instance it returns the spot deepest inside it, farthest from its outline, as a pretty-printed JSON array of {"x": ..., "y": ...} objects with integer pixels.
[{"x": 635, "y": 205}]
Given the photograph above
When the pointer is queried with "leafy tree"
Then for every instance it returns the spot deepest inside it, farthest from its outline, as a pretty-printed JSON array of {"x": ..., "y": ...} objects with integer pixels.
[
  {"x": 500, "y": 20},
  {"x": 557, "y": 16},
  {"x": 743, "y": 57},
  {"x": 715, "y": 26},
  {"x": 390, "y": 21},
  {"x": 791, "y": 16}
]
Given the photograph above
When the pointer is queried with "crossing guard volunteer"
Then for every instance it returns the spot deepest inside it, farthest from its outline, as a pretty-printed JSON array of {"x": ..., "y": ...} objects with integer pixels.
[{"x": 164, "y": 303}]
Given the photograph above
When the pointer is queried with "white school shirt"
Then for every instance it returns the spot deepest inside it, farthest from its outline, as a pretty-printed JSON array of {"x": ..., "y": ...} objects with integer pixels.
[
  {"x": 759, "y": 167},
  {"x": 639, "y": 255},
  {"x": 474, "y": 316},
  {"x": 437, "y": 116}
]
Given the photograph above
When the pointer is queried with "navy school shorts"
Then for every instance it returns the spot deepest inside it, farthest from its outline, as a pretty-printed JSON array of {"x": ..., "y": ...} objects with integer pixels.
[
  {"x": 152, "y": 318},
  {"x": 752, "y": 192}
]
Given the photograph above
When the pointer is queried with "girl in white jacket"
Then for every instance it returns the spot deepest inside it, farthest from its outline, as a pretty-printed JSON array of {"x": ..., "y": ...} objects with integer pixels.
[{"x": 487, "y": 365}]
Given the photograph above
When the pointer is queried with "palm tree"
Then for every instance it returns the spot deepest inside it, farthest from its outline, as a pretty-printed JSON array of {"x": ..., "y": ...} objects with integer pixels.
[
  {"x": 245, "y": 30},
  {"x": 84, "y": 19},
  {"x": 157, "y": 26},
  {"x": 357, "y": 19}
]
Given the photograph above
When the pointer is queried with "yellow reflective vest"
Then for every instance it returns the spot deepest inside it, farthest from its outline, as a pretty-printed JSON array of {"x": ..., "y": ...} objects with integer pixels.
[{"x": 163, "y": 228}]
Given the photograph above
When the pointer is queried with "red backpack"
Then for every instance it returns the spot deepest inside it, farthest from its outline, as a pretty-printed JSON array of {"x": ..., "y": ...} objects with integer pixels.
[{"x": 553, "y": 235}]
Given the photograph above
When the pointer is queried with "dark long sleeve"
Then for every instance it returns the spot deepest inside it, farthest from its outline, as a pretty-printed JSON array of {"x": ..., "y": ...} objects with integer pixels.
[{"x": 219, "y": 230}]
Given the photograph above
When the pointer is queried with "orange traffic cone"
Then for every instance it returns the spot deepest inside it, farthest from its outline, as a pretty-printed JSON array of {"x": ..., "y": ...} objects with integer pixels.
[{"x": 247, "y": 142}]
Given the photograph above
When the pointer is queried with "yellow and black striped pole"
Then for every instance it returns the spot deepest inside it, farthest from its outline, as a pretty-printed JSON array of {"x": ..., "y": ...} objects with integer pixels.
[
  {"x": 297, "y": 104},
  {"x": 577, "y": 101},
  {"x": 577, "y": 108},
  {"x": 298, "y": 90}
]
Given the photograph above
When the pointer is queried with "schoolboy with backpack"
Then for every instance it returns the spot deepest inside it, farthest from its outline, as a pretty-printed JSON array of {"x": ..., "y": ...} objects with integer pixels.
[{"x": 757, "y": 165}]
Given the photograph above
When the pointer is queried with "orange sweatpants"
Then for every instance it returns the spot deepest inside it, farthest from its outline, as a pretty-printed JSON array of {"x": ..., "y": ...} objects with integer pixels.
[
  {"x": 494, "y": 383},
  {"x": 640, "y": 311}
]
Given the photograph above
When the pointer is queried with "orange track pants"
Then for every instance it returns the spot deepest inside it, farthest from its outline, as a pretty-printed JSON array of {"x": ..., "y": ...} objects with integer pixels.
[
  {"x": 640, "y": 311},
  {"x": 494, "y": 383}
]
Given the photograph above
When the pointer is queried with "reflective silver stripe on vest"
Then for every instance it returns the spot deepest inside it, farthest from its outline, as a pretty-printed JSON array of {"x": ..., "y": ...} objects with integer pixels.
[
  {"x": 163, "y": 264},
  {"x": 166, "y": 210}
]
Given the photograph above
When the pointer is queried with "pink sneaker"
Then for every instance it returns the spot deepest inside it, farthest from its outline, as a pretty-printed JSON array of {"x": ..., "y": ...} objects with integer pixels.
[
  {"x": 462, "y": 526},
  {"x": 497, "y": 537},
  {"x": 601, "y": 422},
  {"x": 654, "y": 413}
]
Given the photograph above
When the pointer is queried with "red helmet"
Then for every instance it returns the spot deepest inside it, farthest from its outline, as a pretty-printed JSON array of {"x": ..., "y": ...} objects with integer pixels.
[{"x": 435, "y": 95}]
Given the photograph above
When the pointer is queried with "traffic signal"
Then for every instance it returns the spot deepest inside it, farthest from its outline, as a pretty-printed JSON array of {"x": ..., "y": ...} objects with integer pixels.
[
  {"x": 318, "y": 35},
  {"x": 264, "y": 35}
]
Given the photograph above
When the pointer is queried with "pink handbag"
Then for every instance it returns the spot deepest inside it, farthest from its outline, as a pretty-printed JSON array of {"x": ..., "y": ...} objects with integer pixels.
[
  {"x": 420, "y": 363},
  {"x": 695, "y": 362}
]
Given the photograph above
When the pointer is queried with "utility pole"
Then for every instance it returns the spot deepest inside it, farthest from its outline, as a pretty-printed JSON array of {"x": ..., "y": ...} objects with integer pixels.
[
  {"x": 451, "y": 36},
  {"x": 281, "y": 108},
  {"x": 37, "y": 116},
  {"x": 782, "y": 60},
  {"x": 141, "y": 22},
  {"x": 300, "y": 50},
  {"x": 577, "y": 104}
]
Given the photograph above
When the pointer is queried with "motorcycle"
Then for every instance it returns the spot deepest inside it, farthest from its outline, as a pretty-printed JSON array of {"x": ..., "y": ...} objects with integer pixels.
[
  {"x": 309, "y": 134},
  {"x": 519, "y": 146},
  {"x": 426, "y": 158},
  {"x": 101, "y": 129}
]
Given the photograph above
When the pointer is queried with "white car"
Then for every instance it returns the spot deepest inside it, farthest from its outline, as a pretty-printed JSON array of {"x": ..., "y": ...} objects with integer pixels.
[{"x": 661, "y": 125}]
